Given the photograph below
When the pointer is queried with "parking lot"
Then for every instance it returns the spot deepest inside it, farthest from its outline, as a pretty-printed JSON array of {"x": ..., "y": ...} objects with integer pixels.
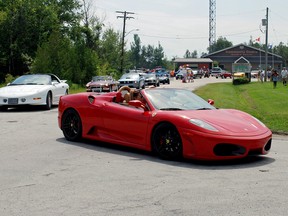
[{"x": 43, "y": 174}]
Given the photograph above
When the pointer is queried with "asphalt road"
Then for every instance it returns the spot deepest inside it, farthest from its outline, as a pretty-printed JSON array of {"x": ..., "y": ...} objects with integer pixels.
[{"x": 43, "y": 174}]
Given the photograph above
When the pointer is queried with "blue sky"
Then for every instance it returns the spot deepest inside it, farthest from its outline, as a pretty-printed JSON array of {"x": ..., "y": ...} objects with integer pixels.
[{"x": 184, "y": 24}]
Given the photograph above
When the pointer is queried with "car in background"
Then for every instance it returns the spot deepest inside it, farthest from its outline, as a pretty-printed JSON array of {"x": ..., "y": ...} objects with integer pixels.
[
  {"x": 215, "y": 71},
  {"x": 33, "y": 89},
  {"x": 152, "y": 79},
  {"x": 181, "y": 74},
  {"x": 164, "y": 78},
  {"x": 171, "y": 122},
  {"x": 102, "y": 84},
  {"x": 132, "y": 80},
  {"x": 197, "y": 74},
  {"x": 224, "y": 75}
]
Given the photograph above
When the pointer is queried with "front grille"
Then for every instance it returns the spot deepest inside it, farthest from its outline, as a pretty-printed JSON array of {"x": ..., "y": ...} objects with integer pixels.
[{"x": 225, "y": 149}]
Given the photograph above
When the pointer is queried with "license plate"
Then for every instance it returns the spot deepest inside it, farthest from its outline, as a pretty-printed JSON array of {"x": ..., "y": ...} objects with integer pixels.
[{"x": 12, "y": 101}]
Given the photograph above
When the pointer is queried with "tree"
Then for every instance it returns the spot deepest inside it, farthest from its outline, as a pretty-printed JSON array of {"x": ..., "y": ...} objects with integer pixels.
[
  {"x": 26, "y": 24},
  {"x": 110, "y": 50},
  {"x": 188, "y": 54},
  {"x": 220, "y": 44},
  {"x": 135, "y": 52}
]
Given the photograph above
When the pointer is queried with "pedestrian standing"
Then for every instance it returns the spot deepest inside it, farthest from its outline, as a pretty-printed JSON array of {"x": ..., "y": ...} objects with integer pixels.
[
  {"x": 274, "y": 77},
  {"x": 284, "y": 75},
  {"x": 262, "y": 75}
]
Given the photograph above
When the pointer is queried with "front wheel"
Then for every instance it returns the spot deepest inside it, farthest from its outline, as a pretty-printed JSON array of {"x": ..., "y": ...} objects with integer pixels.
[
  {"x": 48, "y": 104},
  {"x": 72, "y": 125},
  {"x": 166, "y": 142}
]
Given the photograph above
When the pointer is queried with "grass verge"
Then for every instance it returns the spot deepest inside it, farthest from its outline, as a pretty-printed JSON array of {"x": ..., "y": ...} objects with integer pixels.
[{"x": 258, "y": 99}]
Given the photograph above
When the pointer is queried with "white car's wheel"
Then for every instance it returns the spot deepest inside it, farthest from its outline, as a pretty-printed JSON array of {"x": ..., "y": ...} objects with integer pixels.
[{"x": 48, "y": 101}]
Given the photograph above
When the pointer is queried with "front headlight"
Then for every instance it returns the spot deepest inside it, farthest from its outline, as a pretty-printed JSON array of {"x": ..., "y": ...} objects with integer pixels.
[
  {"x": 261, "y": 123},
  {"x": 202, "y": 124}
]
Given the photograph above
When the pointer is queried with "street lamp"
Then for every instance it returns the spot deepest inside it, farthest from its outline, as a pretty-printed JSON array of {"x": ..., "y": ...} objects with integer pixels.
[{"x": 131, "y": 31}]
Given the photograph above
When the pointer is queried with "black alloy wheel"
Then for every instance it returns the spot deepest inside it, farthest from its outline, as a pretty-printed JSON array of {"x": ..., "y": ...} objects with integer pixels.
[
  {"x": 72, "y": 125},
  {"x": 166, "y": 142}
]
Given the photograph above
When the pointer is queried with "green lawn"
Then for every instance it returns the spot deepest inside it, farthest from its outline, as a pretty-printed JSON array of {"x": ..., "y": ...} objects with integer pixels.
[{"x": 259, "y": 99}]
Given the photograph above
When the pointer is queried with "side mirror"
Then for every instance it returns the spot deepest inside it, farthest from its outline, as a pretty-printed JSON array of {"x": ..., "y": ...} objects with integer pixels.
[
  {"x": 137, "y": 104},
  {"x": 211, "y": 102}
]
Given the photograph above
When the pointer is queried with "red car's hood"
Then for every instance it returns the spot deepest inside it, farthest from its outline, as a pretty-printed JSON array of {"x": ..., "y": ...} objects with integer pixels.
[{"x": 228, "y": 120}]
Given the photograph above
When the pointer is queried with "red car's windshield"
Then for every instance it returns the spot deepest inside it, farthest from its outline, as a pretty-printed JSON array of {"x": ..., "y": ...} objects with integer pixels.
[{"x": 176, "y": 99}]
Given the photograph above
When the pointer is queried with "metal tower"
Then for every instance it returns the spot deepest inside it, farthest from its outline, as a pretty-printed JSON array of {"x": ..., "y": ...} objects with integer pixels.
[{"x": 212, "y": 22}]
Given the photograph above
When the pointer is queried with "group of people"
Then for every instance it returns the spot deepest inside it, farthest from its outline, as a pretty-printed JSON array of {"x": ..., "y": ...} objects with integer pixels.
[
  {"x": 188, "y": 76},
  {"x": 275, "y": 76}
]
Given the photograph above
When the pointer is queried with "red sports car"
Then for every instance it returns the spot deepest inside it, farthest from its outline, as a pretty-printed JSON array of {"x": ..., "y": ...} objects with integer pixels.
[{"x": 174, "y": 123}]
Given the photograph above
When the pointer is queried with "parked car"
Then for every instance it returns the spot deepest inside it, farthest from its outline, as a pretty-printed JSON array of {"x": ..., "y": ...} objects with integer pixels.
[
  {"x": 164, "y": 78},
  {"x": 152, "y": 79},
  {"x": 33, "y": 89},
  {"x": 215, "y": 71},
  {"x": 224, "y": 75},
  {"x": 171, "y": 122},
  {"x": 102, "y": 84},
  {"x": 180, "y": 75},
  {"x": 197, "y": 74},
  {"x": 133, "y": 80}
]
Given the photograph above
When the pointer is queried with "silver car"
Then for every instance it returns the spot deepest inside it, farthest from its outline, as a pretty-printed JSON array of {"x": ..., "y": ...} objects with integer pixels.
[{"x": 133, "y": 80}]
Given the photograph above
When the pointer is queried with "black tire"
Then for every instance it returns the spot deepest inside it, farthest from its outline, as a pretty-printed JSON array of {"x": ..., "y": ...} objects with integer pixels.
[
  {"x": 72, "y": 125},
  {"x": 166, "y": 142},
  {"x": 48, "y": 101},
  {"x": 3, "y": 108}
]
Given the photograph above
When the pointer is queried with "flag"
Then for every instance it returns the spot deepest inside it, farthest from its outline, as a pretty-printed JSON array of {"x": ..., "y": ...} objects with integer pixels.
[
  {"x": 257, "y": 40},
  {"x": 270, "y": 46}
]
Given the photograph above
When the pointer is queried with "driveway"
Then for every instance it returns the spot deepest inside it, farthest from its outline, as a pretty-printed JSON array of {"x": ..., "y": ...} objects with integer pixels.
[{"x": 43, "y": 174}]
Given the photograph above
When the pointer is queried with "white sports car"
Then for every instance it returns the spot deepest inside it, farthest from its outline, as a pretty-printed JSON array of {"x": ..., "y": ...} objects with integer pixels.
[{"x": 33, "y": 89}]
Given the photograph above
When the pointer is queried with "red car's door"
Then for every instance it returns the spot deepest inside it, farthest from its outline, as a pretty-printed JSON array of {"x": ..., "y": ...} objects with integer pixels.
[{"x": 125, "y": 124}]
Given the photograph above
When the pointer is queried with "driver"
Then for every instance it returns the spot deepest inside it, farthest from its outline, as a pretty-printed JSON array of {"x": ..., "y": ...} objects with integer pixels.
[{"x": 123, "y": 98}]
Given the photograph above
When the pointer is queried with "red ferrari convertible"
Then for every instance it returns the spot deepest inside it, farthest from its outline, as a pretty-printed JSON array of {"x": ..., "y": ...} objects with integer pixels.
[{"x": 174, "y": 123}]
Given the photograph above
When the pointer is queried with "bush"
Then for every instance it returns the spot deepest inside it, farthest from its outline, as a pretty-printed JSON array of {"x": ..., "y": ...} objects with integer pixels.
[
  {"x": 9, "y": 78},
  {"x": 240, "y": 81}
]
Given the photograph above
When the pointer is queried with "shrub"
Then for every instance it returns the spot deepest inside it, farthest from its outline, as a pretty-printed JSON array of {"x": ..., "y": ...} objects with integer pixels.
[
  {"x": 240, "y": 81},
  {"x": 9, "y": 78}
]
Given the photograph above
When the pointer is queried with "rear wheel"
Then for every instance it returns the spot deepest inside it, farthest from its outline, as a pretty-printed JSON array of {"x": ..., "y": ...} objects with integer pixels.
[
  {"x": 166, "y": 142},
  {"x": 72, "y": 125}
]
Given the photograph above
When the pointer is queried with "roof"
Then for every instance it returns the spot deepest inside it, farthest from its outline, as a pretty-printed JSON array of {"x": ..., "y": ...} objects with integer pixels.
[
  {"x": 219, "y": 51},
  {"x": 193, "y": 60}
]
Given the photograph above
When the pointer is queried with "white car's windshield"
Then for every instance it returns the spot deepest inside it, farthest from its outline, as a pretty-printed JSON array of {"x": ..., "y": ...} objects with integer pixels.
[
  {"x": 32, "y": 80},
  {"x": 101, "y": 78},
  {"x": 176, "y": 99}
]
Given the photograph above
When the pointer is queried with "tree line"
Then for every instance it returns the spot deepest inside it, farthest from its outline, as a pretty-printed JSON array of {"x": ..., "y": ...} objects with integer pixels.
[{"x": 63, "y": 37}]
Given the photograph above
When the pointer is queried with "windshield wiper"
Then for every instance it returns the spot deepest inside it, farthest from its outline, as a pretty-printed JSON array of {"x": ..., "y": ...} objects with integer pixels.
[
  {"x": 170, "y": 108},
  {"x": 204, "y": 108}
]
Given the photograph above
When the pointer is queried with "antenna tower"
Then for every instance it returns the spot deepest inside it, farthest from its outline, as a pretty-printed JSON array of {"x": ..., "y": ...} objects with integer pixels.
[{"x": 212, "y": 23}]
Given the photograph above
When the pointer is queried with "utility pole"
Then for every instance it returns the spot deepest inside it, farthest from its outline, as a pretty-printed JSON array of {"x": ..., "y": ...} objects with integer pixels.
[
  {"x": 124, "y": 17},
  {"x": 265, "y": 23}
]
